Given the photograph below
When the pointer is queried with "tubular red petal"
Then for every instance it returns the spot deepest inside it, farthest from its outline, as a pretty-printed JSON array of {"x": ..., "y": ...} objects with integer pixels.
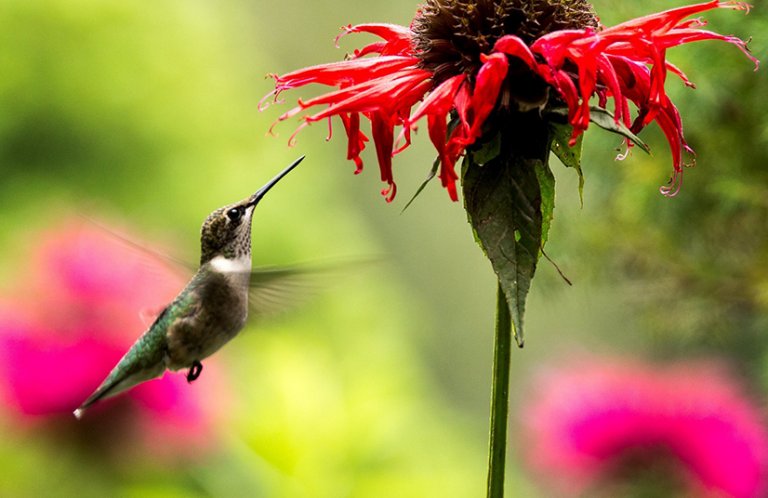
[
  {"x": 636, "y": 82},
  {"x": 666, "y": 19},
  {"x": 553, "y": 46},
  {"x": 515, "y": 47},
  {"x": 451, "y": 187},
  {"x": 344, "y": 72},
  {"x": 382, "y": 129},
  {"x": 440, "y": 100},
  {"x": 292, "y": 138},
  {"x": 405, "y": 135},
  {"x": 680, "y": 74},
  {"x": 678, "y": 37},
  {"x": 371, "y": 48},
  {"x": 461, "y": 102},
  {"x": 637, "y": 87},
  {"x": 389, "y": 192},
  {"x": 401, "y": 90},
  {"x": 355, "y": 139},
  {"x": 386, "y": 31},
  {"x": 567, "y": 89},
  {"x": 438, "y": 131},
  {"x": 264, "y": 101},
  {"x": 611, "y": 80},
  {"x": 486, "y": 92},
  {"x": 397, "y": 38},
  {"x": 587, "y": 84}
]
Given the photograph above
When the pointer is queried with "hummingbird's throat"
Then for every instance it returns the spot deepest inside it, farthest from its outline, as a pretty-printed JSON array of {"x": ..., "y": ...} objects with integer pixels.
[{"x": 240, "y": 264}]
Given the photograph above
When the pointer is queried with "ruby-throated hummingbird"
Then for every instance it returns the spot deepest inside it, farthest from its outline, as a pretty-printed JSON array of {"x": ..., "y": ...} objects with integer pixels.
[{"x": 206, "y": 314}]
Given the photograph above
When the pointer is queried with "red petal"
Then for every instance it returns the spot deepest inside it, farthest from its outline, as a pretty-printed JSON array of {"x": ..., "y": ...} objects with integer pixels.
[
  {"x": 666, "y": 19},
  {"x": 440, "y": 100},
  {"x": 438, "y": 133},
  {"x": 383, "y": 137},
  {"x": 637, "y": 80},
  {"x": 553, "y": 46},
  {"x": 403, "y": 89},
  {"x": 486, "y": 92},
  {"x": 355, "y": 139},
  {"x": 461, "y": 102},
  {"x": 344, "y": 73},
  {"x": 514, "y": 46},
  {"x": 397, "y": 39},
  {"x": 611, "y": 80},
  {"x": 386, "y": 31}
]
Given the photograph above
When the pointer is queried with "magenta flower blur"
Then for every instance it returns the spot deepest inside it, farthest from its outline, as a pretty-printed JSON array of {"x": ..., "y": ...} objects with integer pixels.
[
  {"x": 73, "y": 315},
  {"x": 586, "y": 420},
  {"x": 468, "y": 62}
]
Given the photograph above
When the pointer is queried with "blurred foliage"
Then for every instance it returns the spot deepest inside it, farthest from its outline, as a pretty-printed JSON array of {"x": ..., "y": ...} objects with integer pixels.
[
  {"x": 693, "y": 268},
  {"x": 147, "y": 115}
]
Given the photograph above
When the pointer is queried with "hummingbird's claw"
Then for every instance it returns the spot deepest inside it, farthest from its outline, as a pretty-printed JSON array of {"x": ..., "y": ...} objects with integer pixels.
[{"x": 194, "y": 371}]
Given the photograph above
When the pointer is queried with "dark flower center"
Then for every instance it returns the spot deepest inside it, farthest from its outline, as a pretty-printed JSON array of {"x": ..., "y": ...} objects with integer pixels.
[{"x": 450, "y": 35}]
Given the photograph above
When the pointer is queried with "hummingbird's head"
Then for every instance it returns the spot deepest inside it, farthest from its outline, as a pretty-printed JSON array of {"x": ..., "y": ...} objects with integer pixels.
[{"x": 227, "y": 231}]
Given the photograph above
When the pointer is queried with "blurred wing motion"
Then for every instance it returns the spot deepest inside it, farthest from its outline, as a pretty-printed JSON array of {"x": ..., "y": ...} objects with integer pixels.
[
  {"x": 177, "y": 265},
  {"x": 276, "y": 289},
  {"x": 273, "y": 289}
]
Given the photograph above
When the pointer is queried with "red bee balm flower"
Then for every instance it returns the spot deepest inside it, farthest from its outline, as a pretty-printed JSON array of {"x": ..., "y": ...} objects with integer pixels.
[
  {"x": 466, "y": 61},
  {"x": 502, "y": 83}
]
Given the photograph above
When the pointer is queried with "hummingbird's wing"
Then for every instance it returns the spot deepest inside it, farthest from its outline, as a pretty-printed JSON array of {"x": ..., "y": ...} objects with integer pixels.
[
  {"x": 275, "y": 289},
  {"x": 173, "y": 263}
]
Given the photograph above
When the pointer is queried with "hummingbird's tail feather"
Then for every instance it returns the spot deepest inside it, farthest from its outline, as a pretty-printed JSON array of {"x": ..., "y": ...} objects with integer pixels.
[
  {"x": 100, "y": 393},
  {"x": 121, "y": 378}
]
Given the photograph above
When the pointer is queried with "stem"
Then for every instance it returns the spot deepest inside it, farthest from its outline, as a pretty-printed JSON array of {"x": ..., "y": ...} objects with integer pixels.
[{"x": 502, "y": 346}]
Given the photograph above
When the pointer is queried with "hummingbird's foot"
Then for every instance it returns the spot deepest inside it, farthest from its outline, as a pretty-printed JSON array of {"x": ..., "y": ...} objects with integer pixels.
[{"x": 194, "y": 371}]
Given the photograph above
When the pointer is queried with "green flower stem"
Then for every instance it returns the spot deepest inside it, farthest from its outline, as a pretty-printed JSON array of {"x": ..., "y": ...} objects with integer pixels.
[
  {"x": 502, "y": 347},
  {"x": 509, "y": 197}
]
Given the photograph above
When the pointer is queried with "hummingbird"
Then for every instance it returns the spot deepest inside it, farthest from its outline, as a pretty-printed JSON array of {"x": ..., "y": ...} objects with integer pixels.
[{"x": 207, "y": 313}]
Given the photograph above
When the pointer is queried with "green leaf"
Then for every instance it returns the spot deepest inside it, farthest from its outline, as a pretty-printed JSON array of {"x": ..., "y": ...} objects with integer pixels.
[
  {"x": 569, "y": 156},
  {"x": 547, "y": 186},
  {"x": 487, "y": 151},
  {"x": 604, "y": 119},
  {"x": 452, "y": 124},
  {"x": 507, "y": 200},
  {"x": 430, "y": 176}
]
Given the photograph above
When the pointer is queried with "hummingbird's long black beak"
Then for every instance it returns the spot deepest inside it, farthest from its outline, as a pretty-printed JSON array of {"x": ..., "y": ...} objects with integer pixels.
[{"x": 255, "y": 198}]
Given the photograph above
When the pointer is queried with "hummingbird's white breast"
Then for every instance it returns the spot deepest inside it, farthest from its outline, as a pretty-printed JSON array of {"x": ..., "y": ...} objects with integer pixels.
[
  {"x": 241, "y": 264},
  {"x": 237, "y": 270}
]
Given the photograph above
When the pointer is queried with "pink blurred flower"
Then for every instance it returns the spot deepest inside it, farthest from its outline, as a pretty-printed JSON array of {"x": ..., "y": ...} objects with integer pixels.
[
  {"x": 588, "y": 419},
  {"x": 73, "y": 314}
]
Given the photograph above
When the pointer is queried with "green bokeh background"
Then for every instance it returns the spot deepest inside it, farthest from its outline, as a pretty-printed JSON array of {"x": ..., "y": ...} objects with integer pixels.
[{"x": 146, "y": 112}]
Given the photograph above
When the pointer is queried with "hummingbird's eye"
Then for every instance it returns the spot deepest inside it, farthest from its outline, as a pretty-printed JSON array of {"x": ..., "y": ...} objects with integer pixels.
[{"x": 234, "y": 214}]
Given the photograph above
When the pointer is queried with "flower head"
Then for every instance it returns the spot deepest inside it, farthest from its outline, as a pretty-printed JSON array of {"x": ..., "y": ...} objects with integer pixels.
[
  {"x": 464, "y": 61},
  {"x": 65, "y": 326},
  {"x": 590, "y": 421}
]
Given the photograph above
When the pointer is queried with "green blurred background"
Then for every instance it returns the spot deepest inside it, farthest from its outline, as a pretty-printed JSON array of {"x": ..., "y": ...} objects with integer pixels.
[{"x": 146, "y": 112}]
